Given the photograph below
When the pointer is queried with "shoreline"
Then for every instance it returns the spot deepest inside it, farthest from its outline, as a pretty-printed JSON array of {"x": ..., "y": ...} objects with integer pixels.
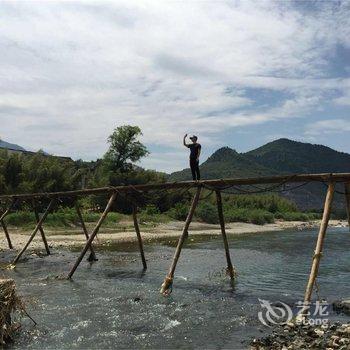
[{"x": 59, "y": 238}]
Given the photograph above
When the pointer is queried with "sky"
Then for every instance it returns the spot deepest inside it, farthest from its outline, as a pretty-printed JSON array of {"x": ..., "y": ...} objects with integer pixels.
[{"x": 235, "y": 73}]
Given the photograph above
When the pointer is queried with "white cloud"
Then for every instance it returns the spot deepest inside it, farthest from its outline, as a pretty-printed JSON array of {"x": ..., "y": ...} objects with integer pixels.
[
  {"x": 343, "y": 100},
  {"x": 328, "y": 126},
  {"x": 72, "y": 71}
]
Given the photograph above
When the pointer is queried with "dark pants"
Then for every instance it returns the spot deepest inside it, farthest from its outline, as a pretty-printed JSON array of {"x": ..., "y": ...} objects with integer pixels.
[{"x": 194, "y": 164}]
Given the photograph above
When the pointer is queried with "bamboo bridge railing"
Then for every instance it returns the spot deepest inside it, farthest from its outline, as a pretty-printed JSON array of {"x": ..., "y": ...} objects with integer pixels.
[{"x": 217, "y": 185}]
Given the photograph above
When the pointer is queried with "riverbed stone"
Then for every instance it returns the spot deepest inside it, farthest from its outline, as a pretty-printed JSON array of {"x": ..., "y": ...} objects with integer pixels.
[
  {"x": 319, "y": 332},
  {"x": 342, "y": 306},
  {"x": 333, "y": 336}
]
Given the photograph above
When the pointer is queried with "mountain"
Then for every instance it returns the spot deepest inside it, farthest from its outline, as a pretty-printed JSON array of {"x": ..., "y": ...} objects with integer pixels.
[
  {"x": 287, "y": 156},
  {"x": 7, "y": 145},
  {"x": 19, "y": 149},
  {"x": 282, "y": 156}
]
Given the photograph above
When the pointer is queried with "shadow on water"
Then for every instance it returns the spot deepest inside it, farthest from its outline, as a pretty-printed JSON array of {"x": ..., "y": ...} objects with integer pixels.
[{"x": 114, "y": 303}]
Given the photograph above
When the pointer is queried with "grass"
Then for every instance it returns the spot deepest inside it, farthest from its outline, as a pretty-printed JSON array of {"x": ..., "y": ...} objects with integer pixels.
[
  {"x": 207, "y": 212},
  {"x": 64, "y": 218},
  {"x": 150, "y": 216}
]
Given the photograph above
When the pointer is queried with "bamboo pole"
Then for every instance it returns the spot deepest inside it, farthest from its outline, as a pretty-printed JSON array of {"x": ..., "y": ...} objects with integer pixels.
[
  {"x": 347, "y": 200},
  {"x": 230, "y": 269},
  {"x": 318, "y": 250},
  {"x": 37, "y": 227},
  {"x": 7, "y": 211},
  {"x": 7, "y": 235},
  {"x": 138, "y": 234},
  {"x": 168, "y": 281},
  {"x": 41, "y": 230},
  {"x": 93, "y": 234},
  {"x": 92, "y": 256},
  {"x": 3, "y": 224}
]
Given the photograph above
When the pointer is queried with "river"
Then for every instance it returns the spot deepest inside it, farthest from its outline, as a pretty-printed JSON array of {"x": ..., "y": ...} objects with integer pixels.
[{"x": 114, "y": 304}]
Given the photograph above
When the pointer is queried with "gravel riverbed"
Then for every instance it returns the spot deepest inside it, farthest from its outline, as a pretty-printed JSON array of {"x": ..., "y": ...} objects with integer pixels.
[{"x": 293, "y": 336}]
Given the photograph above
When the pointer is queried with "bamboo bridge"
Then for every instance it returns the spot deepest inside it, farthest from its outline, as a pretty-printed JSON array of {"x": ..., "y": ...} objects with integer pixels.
[{"x": 217, "y": 186}]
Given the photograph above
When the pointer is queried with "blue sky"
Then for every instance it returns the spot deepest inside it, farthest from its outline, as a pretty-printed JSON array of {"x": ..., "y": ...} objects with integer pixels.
[{"x": 235, "y": 73}]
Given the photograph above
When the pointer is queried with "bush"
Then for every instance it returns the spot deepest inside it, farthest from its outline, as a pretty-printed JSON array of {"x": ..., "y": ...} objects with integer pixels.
[
  {"x": 152, "y": 214},
  {"x": 151, "y": 210},
  {"x": 63, "y": 217},
  {"x": 257, "y": 219},
  {"x": 20, "y": 218},
  {"x": 269, "y": 217},
  {"x": 208, "y": 213},
  {"x": 314, "y": 216},
  {"x": 178, "y": 212},
  {"x": 236, "y": 215},
  {"x": 269, "y": 202},
  {"x": 296, "y": 216},
  {"x": 278, "y": 216},
  {"x": 254, "y": 216}
]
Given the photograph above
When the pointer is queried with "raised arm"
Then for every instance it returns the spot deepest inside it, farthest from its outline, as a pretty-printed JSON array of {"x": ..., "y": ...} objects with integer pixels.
[{"x": 185, "y": 144}]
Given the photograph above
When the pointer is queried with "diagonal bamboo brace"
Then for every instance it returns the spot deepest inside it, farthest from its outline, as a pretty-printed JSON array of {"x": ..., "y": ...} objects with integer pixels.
[
  {"x": 7, "y": 211},
  {"x": 3, "y": 224},
  {"x": 7, "y": 235},
  {"x": 93, "y": 234},
  {"x": 42, "y": 233},
  {"x": 38, "y": 225},
  {"x": 168, "y": 281},
  {"x": 230, "y": 268},
  {"x": 318, "y": 250},
  {"x": 92, "y": 256},
  {"x": 139, "y": 238}
]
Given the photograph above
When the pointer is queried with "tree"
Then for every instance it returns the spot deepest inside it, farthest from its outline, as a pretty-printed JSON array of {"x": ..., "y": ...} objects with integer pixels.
[
  {"x": 12, "y": 171},
  {"x": 124, "y": 148}
]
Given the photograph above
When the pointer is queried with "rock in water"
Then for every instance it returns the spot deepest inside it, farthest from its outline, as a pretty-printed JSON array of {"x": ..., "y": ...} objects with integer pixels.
[
  {"x": 9, "y": 302},
  {"x": 342, "y": 306}
]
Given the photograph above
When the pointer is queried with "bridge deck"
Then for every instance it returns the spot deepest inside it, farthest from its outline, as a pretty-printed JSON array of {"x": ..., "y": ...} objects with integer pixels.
[{"x": 216, "y": 183}]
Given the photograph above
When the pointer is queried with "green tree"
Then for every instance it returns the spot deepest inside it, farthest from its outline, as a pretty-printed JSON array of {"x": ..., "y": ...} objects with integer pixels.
[
  {"x": 2, "y": 184},
  {"x": 42, "y": 173},
  {"x": 125, "y": 148},
  {"x": 12, "y": 171}
]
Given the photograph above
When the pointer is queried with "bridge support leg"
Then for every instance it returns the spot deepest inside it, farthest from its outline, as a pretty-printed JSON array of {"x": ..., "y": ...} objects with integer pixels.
[
  {"x": 139, "y": 238},
  {"x": 347, "y": 200},
  {"x": 42, "y": 233},
  {"x": 37, "y": 228},
  {"x": 318, "y": 250},
  {"x": 230, "y": 269},
  {"x": 93, "y": 234},
  {"x": 168, "y": 281},
  {"x": 92, "y": 256},
  {"x": 7, "y": 235},
  {"x": 3, "y": 224}
]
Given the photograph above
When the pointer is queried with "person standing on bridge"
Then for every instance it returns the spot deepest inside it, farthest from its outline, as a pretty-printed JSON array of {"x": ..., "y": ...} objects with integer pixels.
[{"x": 195, "y": 152}]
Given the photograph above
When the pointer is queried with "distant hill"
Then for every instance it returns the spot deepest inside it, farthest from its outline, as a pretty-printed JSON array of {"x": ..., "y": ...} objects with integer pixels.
[
  {"x": 7, "y": 145},
  {"x": 281, "y": 156},
  {"x": 287, "y": 156},
  {"x": 13, "y": 148}
]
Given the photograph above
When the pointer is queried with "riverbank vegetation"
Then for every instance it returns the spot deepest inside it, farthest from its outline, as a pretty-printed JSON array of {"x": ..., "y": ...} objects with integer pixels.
[{"x": 237, "y": 208}]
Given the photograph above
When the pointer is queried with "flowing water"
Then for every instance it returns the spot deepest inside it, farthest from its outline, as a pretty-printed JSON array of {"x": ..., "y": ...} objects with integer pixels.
[{"x": 114, "y": 304}]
